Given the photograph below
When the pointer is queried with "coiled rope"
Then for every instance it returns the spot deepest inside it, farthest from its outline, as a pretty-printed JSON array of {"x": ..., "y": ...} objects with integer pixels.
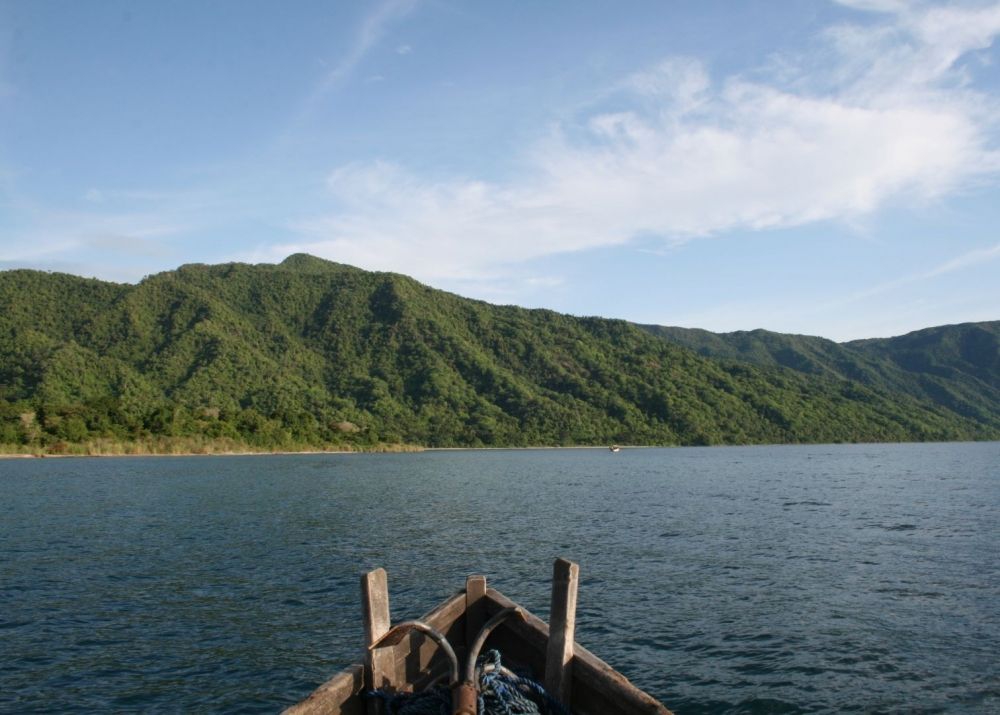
[{"x": 500, "y": 693}]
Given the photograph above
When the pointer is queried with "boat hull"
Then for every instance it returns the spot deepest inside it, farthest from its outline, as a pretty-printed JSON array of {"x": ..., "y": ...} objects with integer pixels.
[{"x": 595, "y": 687}]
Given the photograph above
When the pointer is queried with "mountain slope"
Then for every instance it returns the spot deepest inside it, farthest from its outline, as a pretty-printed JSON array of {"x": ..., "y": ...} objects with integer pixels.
[
  {"x": 956, "y": 367},
  {"x": 310, "y": 352}
]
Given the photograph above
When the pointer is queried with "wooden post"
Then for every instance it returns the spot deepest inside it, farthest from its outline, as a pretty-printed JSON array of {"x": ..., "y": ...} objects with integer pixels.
[
  {"x": 475, "y": 608},
  {"x": 562, "y": 631},
  {"x": 379, "y": 663}
]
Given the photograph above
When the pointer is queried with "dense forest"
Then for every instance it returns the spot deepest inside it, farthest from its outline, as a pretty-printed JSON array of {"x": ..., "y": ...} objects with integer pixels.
[
  {"x": 954, "y": 366},
  {"x": 313, "y": 354}
]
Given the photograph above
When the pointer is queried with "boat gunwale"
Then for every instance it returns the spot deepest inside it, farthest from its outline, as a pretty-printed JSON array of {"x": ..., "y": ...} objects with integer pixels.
[{"x": 591, "y": 676}]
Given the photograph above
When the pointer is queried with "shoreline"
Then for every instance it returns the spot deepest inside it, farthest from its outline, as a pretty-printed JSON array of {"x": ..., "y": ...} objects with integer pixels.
[
  {"x": 43, "y": 455},
  {"x": 383, "y": 449},
  {"x": 222, "y": 451},
  {"x": 410, "y": 449}
]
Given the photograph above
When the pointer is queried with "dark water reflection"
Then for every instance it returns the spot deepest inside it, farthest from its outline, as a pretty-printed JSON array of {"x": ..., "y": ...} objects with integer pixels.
[{"x": 786, "y": 579}]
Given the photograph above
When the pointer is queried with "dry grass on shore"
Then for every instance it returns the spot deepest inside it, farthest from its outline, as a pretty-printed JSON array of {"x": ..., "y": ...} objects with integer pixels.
[{"x": 181, "y": 446}]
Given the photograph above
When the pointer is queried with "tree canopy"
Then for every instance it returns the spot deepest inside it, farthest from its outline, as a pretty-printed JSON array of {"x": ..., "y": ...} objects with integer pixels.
[{"x": 310, "y": 353}]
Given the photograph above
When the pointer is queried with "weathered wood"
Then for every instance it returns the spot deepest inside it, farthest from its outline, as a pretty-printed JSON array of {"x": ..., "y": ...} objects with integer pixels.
[
  {"x": 562, "y": 631},
  {"x": 605, "y": 690},
  {"x": 337, "y": 696},
  {"x": 380, "y": 663},
  {"x": 418, "y": 658},
  {"x": 597, "y": 688},
  {"x": 475, "y": 607}
]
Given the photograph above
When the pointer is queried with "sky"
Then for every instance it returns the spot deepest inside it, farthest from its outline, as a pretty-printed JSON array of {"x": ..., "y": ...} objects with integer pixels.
[{"x": 804, "y": 166}]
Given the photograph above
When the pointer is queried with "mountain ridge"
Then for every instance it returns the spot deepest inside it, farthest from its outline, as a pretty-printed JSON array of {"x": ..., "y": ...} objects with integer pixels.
[
  {"x": 309, "y": 352},
  {"x": 955, "y": 366}
]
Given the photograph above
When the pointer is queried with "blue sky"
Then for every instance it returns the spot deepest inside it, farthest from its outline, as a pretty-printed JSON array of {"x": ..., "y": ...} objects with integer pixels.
[{"x": 828, "y": 168}]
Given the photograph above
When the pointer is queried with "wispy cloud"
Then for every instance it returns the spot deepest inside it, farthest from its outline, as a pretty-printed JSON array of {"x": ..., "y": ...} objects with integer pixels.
[
  {"x": 95, "y": 195},
  {"x": 120, "y": 234},
  {"x": 969, "y": 259},
  {"x": 369, "y": 33},
  {"x": 62, "y": 233},
  {"x": 865, "y": 313},
  {"x": 880, "y": 113},
  {"x": 966, "y": 260}
]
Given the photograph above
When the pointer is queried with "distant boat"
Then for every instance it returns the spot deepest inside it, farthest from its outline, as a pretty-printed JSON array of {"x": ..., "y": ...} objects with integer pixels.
[{"x": 615, "y": 448}]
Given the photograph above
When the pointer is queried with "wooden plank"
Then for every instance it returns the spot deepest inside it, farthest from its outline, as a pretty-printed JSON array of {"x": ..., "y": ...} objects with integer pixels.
[
  {"x": 337, "y": 696},
  {"x": 475, "y": 608},
  {"x": 418, "y": 658},
  {"x": 605, "y": 690},
  {"x": 598, "y": 688},
  {"x": 562, "y": 631},
  {"x": 380, "y": 663}
]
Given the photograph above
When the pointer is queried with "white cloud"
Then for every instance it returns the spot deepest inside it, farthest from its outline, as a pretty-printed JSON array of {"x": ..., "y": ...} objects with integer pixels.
[
  {"x": 392, "y": 220},
  {"x": 892, "y": 116},
  {"x": 917, "y": 55},
  {"x": 679, "y": 83}
]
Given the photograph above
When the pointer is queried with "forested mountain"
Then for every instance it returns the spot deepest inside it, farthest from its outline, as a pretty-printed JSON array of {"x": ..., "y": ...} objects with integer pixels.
[
  {"x": 954, "y": 366},
  {"x": 310, "y": 353}
]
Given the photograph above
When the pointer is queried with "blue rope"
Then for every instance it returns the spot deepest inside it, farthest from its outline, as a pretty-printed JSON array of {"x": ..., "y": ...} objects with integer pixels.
[{"x": 499, "y": 694}]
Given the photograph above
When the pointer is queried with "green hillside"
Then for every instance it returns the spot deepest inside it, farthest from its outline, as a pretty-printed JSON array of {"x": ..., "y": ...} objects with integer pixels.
[
  {"x": 956, "y": 367},
  {"x": 310, "y": 353}
]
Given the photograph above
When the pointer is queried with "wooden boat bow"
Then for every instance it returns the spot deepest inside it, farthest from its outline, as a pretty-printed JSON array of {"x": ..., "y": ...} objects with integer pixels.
[{"x": 408, "y": 658}]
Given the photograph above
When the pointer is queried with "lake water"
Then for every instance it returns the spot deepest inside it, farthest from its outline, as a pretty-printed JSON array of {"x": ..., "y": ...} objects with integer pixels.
[{"x": 858, "y": 578}]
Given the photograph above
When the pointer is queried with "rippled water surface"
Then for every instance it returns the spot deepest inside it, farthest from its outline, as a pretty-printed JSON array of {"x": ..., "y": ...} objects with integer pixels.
[{"x": 763, "y": 579}]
